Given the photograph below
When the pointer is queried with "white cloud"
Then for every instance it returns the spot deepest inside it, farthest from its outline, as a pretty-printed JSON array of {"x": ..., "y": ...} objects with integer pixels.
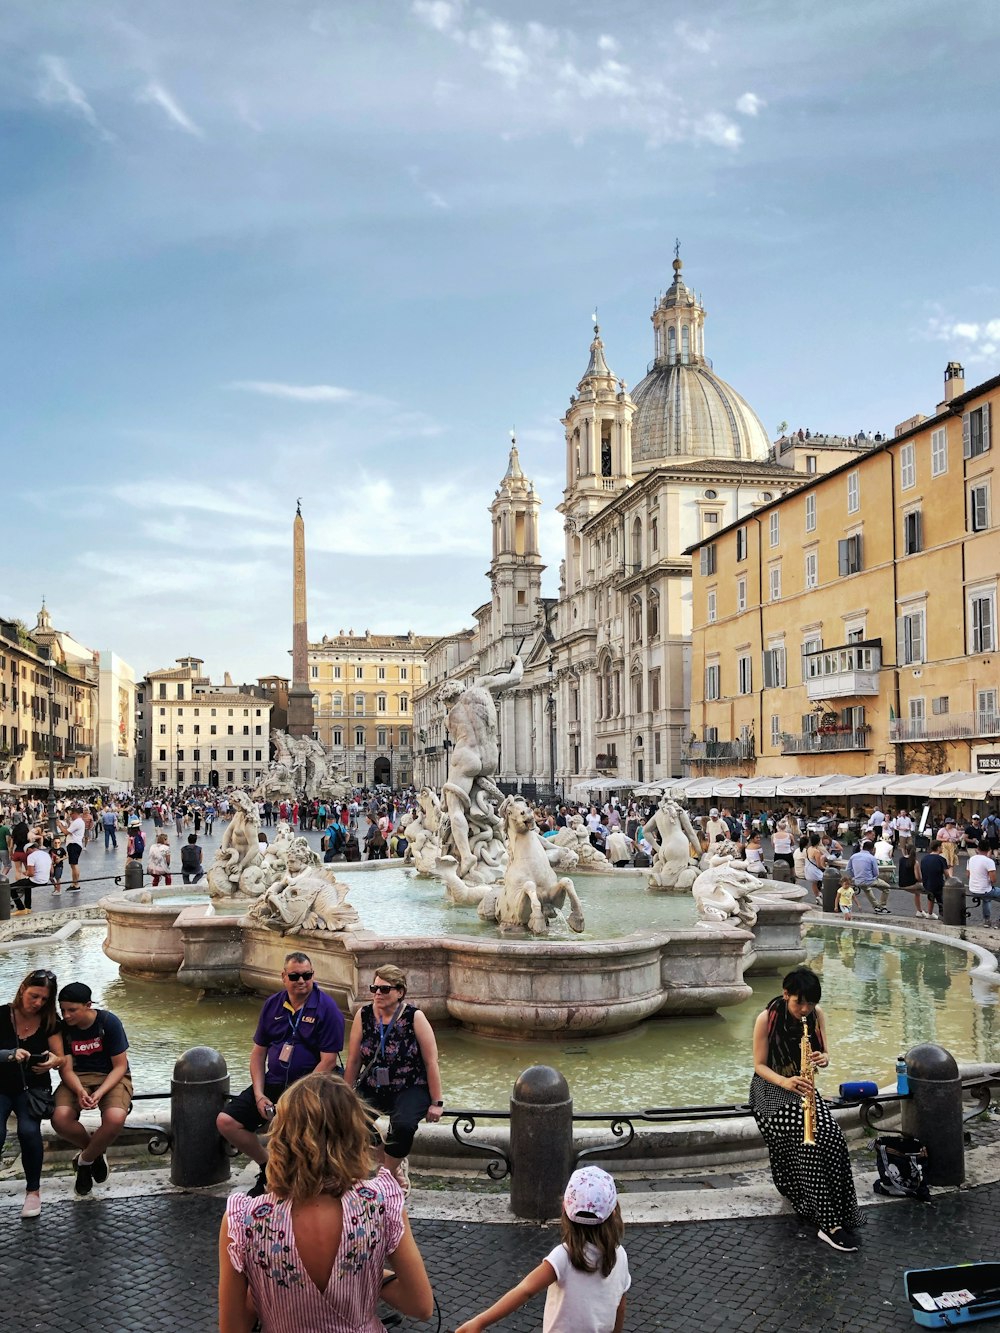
[
  {"x": 977, "y": 341},
  {"x": 441, "y": 15},
  {"x": 155, "y": 94},
  {"x": 700, "y": 40},
  {"x": 718, "y": 129},
  {"x": 749, "y": 104},
  {"x": 297, "y": 393},
  {"x": 607, "y": 43},
  {"x": 57, "y": 88}
]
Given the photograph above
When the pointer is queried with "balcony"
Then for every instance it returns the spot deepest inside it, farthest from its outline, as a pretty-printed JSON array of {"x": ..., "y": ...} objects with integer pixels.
[
  {"x": 721, "y": 752},
  {"x": 944, "y": 727},
  {"x": 606, "y": 763},
  {"x": 844, "y": 672},
  {"x": 826, "y": 741}
]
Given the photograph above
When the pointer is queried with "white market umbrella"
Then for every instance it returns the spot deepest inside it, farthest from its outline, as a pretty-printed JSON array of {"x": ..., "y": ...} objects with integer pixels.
[{"x": 965, "y": 786}]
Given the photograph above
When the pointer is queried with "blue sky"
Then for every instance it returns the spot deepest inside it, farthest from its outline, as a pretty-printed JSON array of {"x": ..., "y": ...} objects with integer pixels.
[{"x": 258, "y": 249}]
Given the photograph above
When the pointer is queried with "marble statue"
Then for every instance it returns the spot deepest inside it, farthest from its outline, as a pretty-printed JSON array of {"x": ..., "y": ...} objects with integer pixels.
[
  {"x": 308, "y": 896},
  {"x": 270, "y": 864},
  {"x": 531, "y": 891},
  {"x": 723, "y": 894},
  {"x": 724, "y": 848},
  {"x": 422, "y": 829},
  {"x": 472, "y": 848},
  {"x": 238, "y": 850},
  {"x": 674, "y": 843},
  {"x": 575, "y": 837},
  {"x": 301, "y": 767}
]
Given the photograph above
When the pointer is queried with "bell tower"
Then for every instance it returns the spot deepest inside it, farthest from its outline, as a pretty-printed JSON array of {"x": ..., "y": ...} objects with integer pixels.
[{"x": 516, "y": 567}]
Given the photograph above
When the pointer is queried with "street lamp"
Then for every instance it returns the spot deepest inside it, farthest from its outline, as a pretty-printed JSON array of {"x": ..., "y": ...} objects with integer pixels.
[{"x": 550, "y": 705}]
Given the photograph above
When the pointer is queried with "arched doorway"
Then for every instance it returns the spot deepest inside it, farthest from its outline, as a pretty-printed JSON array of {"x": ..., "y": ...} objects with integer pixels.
[
  {"x": 382, "y": 772},
  {"x": 213, "y": 778}
]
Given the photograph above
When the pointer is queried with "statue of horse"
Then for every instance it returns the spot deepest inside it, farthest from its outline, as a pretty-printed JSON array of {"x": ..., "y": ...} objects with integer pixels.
[{"x": 531, "y": 892}]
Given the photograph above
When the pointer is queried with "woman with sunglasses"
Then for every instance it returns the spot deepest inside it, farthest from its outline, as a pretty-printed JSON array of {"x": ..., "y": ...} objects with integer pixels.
[
  {"x": 392, "y": 1060},
  {"x": 29, "y": 1047}
]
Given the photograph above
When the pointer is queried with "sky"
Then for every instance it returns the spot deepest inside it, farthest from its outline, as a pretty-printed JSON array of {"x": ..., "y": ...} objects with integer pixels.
[{"x": 256, "y": 250}]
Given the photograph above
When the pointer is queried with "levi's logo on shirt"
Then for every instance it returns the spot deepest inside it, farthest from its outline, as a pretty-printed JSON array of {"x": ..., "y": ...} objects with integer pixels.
[{"x": 86, "y": 1045}]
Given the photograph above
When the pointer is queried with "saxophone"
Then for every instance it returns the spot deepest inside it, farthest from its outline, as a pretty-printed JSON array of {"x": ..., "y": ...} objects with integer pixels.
[{"x": 808, "y": 1071}]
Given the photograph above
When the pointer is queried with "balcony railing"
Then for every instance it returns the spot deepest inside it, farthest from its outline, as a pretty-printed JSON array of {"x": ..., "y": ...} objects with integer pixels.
[
  {"x": 721, "y": 752},
  {"x": 944, "y": 727},
  {"x": 851, "y": 669},
  {"x": 826, "y": 742}
]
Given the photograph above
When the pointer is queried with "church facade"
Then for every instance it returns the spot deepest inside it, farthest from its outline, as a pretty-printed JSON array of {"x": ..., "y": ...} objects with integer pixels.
[{"x": 606, "y": 693}]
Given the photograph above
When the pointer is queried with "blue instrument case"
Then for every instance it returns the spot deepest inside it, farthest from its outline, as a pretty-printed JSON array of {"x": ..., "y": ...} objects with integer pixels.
[{"x": 983, "y": 1280}]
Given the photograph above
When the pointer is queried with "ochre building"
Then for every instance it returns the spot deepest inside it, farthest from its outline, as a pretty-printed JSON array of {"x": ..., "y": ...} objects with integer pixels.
[{"x": 851, "y": 625}]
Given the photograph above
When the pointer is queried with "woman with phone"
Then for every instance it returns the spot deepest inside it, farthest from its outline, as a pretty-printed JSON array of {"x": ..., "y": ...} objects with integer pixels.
[
  {"x": 30, "y": 1046},
  {"x": 392, "y": 1060}
]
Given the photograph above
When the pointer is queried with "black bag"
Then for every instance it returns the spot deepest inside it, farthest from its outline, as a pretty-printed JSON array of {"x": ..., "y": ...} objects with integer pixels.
[
  {"x": 900, "y": 1160},
  {"x": 41, "y": 1103}
]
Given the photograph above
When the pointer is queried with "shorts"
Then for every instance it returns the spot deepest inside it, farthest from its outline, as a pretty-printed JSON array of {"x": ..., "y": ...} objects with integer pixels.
[
  {"x": 243, "y": 1108},
  {"x": 19, "y": 856},
  {"x": 935, "y": 895},
  {"x": 73, "y": 851},
  {"x": 120, "y": 1095}
]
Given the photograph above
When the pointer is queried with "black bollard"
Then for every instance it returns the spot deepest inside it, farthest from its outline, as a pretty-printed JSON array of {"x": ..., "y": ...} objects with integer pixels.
[
  {"x": 133, "y": 874},
  {"x": 831, "y": 884},
  {"x": 953, "y": 911},
  {"x": 541, "y": 1142},
  {"x": 4, "y": 900},
  {"x": 933, "y": 1112},
  {"x": 198, "y": 1092}
]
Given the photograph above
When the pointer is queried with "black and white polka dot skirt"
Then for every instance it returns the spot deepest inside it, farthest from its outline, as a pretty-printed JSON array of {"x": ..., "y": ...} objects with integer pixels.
[{"x": 816, "y": 1180}]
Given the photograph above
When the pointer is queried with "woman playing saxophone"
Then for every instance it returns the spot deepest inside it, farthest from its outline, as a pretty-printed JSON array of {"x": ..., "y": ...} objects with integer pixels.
[{"x": 809, "y": 1159}]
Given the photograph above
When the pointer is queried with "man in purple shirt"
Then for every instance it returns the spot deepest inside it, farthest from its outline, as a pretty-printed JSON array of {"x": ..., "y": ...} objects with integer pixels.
[{"x": 300, "y": 1030}]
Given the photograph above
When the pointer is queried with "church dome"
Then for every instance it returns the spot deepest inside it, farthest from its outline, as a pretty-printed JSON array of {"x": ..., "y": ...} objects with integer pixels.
[{"x": 682, "y": 408}]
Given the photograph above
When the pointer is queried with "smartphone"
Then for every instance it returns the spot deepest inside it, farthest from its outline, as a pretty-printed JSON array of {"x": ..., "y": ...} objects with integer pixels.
[{"x": 35, "y": 1059}]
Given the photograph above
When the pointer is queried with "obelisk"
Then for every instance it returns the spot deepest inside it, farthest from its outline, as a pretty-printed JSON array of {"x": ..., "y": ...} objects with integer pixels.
[{"x": 300, "y": 698}]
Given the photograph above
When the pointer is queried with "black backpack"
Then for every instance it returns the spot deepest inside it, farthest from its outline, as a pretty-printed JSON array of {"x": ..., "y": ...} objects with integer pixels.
[{"x": 900, "y": 1160}]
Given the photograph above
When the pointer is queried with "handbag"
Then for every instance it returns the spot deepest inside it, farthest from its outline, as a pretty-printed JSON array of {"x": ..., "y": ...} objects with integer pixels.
[{"x": 41, "y": 1103}]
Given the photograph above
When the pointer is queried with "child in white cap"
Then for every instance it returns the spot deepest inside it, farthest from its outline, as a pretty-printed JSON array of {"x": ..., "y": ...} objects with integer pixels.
[{"x": 586, "y": 1277}]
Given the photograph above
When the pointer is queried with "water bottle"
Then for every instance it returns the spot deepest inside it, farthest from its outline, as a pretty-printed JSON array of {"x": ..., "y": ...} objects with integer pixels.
[{"x": 902, "y": 1079}]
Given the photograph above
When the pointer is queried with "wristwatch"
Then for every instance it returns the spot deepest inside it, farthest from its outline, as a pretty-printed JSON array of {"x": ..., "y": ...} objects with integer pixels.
[{"x": 437, "y": 1103}]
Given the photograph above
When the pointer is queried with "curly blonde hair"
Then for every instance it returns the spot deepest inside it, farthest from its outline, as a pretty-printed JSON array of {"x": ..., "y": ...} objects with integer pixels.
[{"x": 320, "y": 1140}]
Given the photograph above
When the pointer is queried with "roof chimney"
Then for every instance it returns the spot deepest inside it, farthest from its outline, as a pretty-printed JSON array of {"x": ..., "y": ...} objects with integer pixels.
[{"x": 954, "y": 381}]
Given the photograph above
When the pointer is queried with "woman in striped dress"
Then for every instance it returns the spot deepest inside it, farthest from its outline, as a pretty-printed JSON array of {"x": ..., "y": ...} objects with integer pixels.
[
  {"x": 815, "y": 1178},
  {"x": 309, "y": 1255}
]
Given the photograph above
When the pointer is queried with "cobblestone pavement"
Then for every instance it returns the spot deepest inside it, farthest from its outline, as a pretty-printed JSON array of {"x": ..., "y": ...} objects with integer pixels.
[{"x": 130, "y": 1265}]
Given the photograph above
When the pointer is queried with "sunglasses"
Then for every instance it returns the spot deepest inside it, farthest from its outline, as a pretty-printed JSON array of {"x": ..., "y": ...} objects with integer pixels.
[
  {"x": 382, "y": 990},
  {"x": 299, "y": 976},
  {"x": 41, "y": 978}
]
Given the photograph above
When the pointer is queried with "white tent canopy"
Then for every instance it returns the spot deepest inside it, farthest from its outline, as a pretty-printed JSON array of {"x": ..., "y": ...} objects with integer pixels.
[{"x": 965, "y": 786}]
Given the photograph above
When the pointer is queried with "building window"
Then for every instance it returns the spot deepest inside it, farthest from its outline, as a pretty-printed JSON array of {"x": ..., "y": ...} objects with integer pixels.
[
  {"x": 986, "y": 709},
  {"x": 853, "y": 492},
  {"x": 162, "y": 693},
  {"x": 359, "y": 738},
  {"x": 775, "y": 730},
  {"x": 359, "y": 673},
  {"x": 654, "y": 690},
  {"x": 359, "y": 705},
  {"x": 812, "y": 569},
  {"x": 314, "y": 672},
  {"x": 849, "y": 555},
  {"x": 741, "y": 543},
  {"x": 983, "y": 622},
  {"x": 744, "y": 673},
  {"x": 912, "y": 534},
  {"x": 810, "y": 513},
  {"x": 911, "y": 638},
  {"x": 707, "y": 559},
  {"x": 229, "y": 755},
  {"x": 939, "y": 452},
  {"x": 381, "y": 673},
  {"x": 654, "y": 535},
  {"x": 976, "y": 431},
  {"x": 246, "y": 756},
  {"x": 941, "y": 705},
  {"x": 256, "y": 755},
  {"x": 907, "y": 466},
  {"x": 653, "y": 616},
  {"x": 979, "y": 507},
  {"x": 635, "y": 618},
  {"x": 711, "y": 607},
  {"x": 381, "y": 703},
  {"x": 338, "y": 703},
  {"x": 163, "y": 777},
  {"x": 338, "y": 736},
  {"x": 404, "y": 673},
  {"x": 774, "y": 668},
  {"x": 774, "y": 528},
  {"x": 712, "y": 681},
  {"x": 180, "y": 756},
  {"x": 917, "y": 712},
  {"x": 741, "y": 594},
  {"x": 657, "y": 750},
  {"x": 163, "y": 725},
  {"x": 774, "y": 582},
  {"x": 380, "y": 737},
  {"x": 404, "y": 704},
  {"x": 711, "y": 519},
  {"x": 336, "y": 673},
  {"x": 163, "y": 756},
  {"x": 404, "y": 737}
]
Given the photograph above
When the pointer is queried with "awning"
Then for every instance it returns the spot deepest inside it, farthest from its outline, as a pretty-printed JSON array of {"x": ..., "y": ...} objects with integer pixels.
[
  {"x": 799, "y": 786},
  {"x": 844, "y": 784},
  {"x": 965, "y": 786},
  {"x": 920, "y": 785}
]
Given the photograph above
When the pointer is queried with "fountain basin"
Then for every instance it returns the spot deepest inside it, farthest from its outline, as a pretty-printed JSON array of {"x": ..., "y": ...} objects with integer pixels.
[{"x": 491, "y": 986}]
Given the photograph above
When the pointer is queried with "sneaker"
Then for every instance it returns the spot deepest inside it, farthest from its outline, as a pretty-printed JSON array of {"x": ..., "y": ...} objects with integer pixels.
[
  {"x": 259, "y": 1186},
  {"x": 32, "y": 1205},
  {"x": 26, "y": 911},
  {"x": 838, "y": 1239},
  {"x": 84, "y": 1177},
  {"x": 933, "y": 916},
  {"x": 99, "y": 1169},
  {"x": 919, "y": 913}
]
